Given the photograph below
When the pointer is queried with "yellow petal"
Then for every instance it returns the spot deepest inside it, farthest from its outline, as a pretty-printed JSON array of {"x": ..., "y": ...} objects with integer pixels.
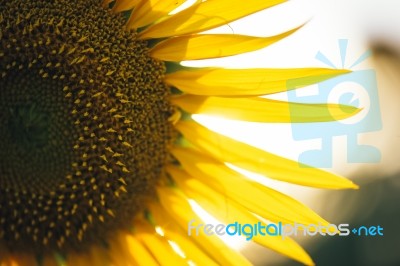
[
  {"x": 120, "y": 253},
  {"x": 139, "y": 253},
  {"x": 150, "y": 11},
  {"x": 252, "y": 195},
  {"x": 96, "y": 256},
  {"x": 259, "y": 161},
  {"x": 18, "y": 260},
  {"x": 229, "y": 211},
  {"x": 239, "y": 82},
  {"x": 206, "y": 15},
  {"x": 157, "y": 245},
  {"x": 204, "y": 46},
  {"x": 123, "y": 5},
  {"x": 77, "y": 259},
  {"x": 263, "y": 110},
  {"x": 173, "y": 232},
  {"x": 178, "y": 208}
]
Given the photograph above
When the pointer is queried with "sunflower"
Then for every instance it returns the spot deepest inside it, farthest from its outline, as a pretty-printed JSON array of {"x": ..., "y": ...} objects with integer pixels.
[{"x": 100, "y": 159}]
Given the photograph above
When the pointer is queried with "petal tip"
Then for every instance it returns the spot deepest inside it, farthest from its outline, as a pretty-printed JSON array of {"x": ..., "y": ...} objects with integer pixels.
[{"x": 354, "y": 186}]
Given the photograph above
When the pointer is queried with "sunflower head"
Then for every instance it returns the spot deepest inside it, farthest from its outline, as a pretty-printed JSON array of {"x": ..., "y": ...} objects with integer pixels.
[
  {"x": 97, "y": 164},
  {"x": 84, "y": 123}
]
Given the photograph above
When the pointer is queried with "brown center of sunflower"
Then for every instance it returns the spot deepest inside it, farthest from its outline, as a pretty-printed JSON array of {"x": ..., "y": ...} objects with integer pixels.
[{"x": 84, "y": 129}]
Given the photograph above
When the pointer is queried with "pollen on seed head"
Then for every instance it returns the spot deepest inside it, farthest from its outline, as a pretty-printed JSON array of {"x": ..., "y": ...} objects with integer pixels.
[{"x": 84, "y": 124}]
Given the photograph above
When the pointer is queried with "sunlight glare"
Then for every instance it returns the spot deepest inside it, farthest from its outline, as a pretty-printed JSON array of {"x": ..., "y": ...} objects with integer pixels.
[{"x": 235, "y": 242}]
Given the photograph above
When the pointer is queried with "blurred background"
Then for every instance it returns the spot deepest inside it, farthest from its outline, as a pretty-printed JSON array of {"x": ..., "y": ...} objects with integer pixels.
[{"x": 337, "y": 33}]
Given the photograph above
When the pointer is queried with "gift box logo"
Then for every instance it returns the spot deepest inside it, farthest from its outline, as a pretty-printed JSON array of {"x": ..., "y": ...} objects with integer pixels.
[{"x": 358, "y": 89}]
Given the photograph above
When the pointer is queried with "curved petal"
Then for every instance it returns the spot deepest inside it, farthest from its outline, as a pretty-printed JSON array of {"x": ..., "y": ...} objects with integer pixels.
[
  {"x": 240, "y": 82},
  {"x": 179, "y": 209},
  {"x": 120, "y": 252},
  {"x": 123, "y": 5},
  {"x": 263, "y": 110},
  {"x": 150, "y": 11},
  {"x": 95, "y": 256},
  {"x": 206, "y": 15},
  {"x": 253, "y": 159},
  {"x": 281, "y": 208},
  {"x": 205, "y": 46},
  {"x": 139, "y": 253},
  {"x": 228, "y": 211},
  {"x": 157, "y": 245},
  {"x": 173, "y": 232}
]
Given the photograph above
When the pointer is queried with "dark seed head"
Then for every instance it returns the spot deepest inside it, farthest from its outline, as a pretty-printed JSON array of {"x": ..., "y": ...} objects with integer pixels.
[{"x": 84, "y": 129}]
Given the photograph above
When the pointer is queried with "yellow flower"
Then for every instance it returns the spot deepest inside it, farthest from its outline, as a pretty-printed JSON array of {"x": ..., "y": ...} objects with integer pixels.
[{"x": 98, "y": 154}]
